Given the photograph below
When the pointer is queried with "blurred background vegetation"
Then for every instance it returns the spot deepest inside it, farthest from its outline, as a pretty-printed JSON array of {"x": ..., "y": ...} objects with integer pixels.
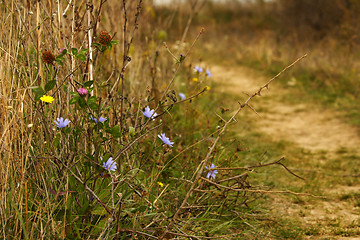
[
  {"x": 40, "y": 198},
  {"x": 267, "y": 35}
]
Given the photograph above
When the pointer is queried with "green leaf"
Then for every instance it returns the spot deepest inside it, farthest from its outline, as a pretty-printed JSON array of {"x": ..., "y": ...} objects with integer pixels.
[
  {"x": 113, "y": 42},
  {"x": 92, "y": 102},
  {"x": 74, "y": 100},
  {"x": 97, "y": 45},
  {"x": 67, "y": 130},
  {"x": 132, "y": 131},
  {"x": 60, "y": 57},
  {"x": 84, "y": 208},
  {"x": 39, "y": 92},
  {"x": 50, "y": 85},
  {"x": 94, "y": 106},
  {"x": 81, "y": 57},
  {"x": 82, "y": 102},
  {"x": 83, "y": 51},
  {"x": 116, "y": 132},
  {"x": 59, "y": 62},
  {"x": 91, "y": 99},
  {"x": 88, "y": 84},
  {"x": 74, "y": 51},
  {"x": 56, "y": 141}
]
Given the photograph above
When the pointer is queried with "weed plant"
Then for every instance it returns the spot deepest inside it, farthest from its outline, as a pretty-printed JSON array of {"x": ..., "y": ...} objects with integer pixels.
[{"x": 107, "y": 133}]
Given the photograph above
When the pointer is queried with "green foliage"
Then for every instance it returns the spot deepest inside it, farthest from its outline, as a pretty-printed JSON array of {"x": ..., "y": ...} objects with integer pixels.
[{"x": 39, "y": 92}]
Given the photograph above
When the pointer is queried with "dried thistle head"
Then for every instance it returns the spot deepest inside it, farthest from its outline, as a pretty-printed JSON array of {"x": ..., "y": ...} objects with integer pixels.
[
  {"x": 48, "y": 57},
  {"x": 104, "y": 38}
]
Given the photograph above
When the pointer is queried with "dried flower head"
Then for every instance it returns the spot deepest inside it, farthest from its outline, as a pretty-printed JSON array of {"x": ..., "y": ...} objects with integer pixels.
[
  {"x": 104, "y": 38},
  {"x": 48, "y": 57}
]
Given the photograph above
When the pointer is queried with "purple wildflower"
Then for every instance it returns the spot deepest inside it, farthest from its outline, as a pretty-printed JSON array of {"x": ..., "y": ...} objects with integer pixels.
[
  {"x": 208, "y": 73},
  {"x": 165, "y": 139},
  {"x": 212, "y": 173},
  {"x": 101, "y": 119},
  {"x": 82, "y": 91},
  {"x": 150, "y": 113},
  {"x": 198, "y": 69},
  {"x": 110, "y": 164},
  {"x": 182, "y": 96},
  {"x": 61, "y": 123}
]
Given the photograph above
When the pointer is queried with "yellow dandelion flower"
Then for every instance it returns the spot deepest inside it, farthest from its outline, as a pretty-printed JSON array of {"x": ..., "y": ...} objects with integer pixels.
[
  {"x": 195, "y": 79},
  {"x": 207, "y": 88},
  {"x": 160, "y": 184},
  {"x": 47, "y": 99}
]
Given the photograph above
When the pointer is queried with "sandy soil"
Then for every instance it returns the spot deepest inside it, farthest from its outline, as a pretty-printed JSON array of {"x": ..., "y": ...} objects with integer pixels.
[{"x": 311, "y": 128}]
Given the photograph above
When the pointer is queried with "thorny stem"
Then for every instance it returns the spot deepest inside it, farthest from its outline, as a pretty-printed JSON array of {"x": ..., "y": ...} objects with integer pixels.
[
  {"x": 178, "y": 67},
  {"x": 204, "y": 162}
]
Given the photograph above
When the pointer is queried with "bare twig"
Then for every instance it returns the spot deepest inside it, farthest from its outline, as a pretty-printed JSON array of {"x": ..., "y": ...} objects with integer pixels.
[
  {"x": 259, "y": 190},
  {"x": 211, "y": 149}
]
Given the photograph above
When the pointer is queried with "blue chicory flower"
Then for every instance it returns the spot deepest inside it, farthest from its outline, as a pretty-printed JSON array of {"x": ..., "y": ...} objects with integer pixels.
[
  {"x": 198, "y": 69},
  {"x": 165, "y": 139},
  {"x": 182, "y": 96},
  {"x": 61, "y": 123},
  {"x": 149, "y": 113},
  {"x": 208, "y": 73},
  {"x": 211, "y": 173},
  {"x": 101, "y": 119},
  {"x": 109, "y": 165}
]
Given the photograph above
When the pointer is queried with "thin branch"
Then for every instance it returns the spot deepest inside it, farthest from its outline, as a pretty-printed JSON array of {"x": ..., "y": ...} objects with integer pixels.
[
  {"x": 259, "y": 190},
  {"x": 211, "y": 149}
]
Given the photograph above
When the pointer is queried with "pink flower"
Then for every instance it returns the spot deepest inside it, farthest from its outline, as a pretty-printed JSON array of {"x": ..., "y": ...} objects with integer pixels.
[
  {"x": 82, "y": 91},
  {"x": 61, "y": 50}
]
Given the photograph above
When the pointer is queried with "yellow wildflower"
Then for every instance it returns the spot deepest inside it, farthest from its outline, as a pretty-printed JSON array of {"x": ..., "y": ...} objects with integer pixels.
[
  {"x": 47, "y": 99},
  {"x": 195, "y": 79},
  {"x": 207, "y": 88},
  {"x": 160, "y": 184}
]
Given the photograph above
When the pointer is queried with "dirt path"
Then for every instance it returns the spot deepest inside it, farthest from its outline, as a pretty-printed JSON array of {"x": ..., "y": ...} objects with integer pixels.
[
  {"x": 316, "y": 131},
  {"x": 309, "y": 126}
]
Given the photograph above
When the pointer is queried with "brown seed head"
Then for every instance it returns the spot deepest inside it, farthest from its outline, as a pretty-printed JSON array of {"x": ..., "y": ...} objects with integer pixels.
[
  {"x": 104, "y": 38},
  {"x": 48, "y": 57}
]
